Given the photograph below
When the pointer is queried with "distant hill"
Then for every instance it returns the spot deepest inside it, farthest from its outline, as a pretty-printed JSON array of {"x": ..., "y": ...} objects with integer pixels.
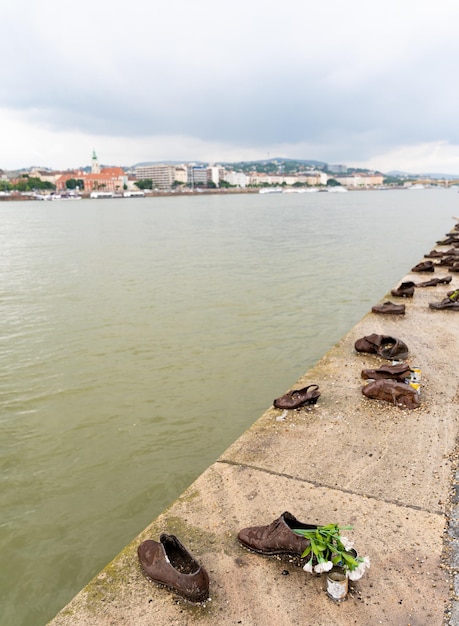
[
  {"x": 281, "y": 160},
  {"x": 277, "y": 161},
  {"x": 146, "y": 163},
  {"x": 277, "y": 165},
  {"x": 399, "y": 174},
  {"x": 263, "y": 162}
]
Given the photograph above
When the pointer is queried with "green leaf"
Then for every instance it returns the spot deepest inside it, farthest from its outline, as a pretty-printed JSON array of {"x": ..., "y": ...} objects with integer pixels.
[
  {"x": 349, "y": 559},
  {"x": 328, "y": 527},
  {"x": 336, "y": 559},
  {"x": 314, "y": 547},
  {"x": 306, "y": 552}
]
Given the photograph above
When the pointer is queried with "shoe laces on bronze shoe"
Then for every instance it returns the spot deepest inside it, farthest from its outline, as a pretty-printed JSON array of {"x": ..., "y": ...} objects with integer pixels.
[{"x": 277, "y": 537}]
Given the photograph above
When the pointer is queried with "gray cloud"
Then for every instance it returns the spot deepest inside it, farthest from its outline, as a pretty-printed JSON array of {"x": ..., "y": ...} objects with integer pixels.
[{"x": 354, "y": 81}]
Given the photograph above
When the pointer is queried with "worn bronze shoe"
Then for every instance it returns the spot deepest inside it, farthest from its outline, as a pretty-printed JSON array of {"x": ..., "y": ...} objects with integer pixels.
[
  {"x": 434, "y": 254},
  {"x": 405, "y": 290},
  {"x": 444, "y": 304},
  {"x": 298, "y": 397},
  {"x": 433, "y": 282},
  {"x": 399, "y": 394},
  {"x": 389, "y": 308},
  {"x": 447, "y": 261},
  {"x": 400, "y": 372},
  {"x": 169, "y": 564},
  {"x": 369, "y": 343},
  {"x": 451, "y": 302},
  {"x": 425, "y": 266},
  {"x": 276, "y": 538},
  {"x": 451, "y": 239},
  {"x": 385, "y": 346}
]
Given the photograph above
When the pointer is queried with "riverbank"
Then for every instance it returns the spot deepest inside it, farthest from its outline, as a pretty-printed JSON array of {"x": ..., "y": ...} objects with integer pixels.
[
  {"x": 386, "y": 471},
  {"x": 18, "y": 197}
]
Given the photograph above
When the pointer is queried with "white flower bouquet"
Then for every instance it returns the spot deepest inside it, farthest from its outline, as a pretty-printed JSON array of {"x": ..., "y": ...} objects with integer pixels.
[{"x": 328, "y": 549}]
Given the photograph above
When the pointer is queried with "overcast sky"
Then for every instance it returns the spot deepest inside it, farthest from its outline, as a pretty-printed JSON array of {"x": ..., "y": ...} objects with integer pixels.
[{"x": 367, "y": 84}]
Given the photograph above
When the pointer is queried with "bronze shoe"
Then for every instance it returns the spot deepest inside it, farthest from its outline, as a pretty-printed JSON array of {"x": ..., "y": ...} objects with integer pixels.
[
  {"x": 276, "y": 538},
  {"x": 405, "y": 290},
  {"x": 425, "y": 266},
  {"x": 392, "y": 348},
  {"x": 399, "y": 394},
  {"x": 447, "y": 261},
  {"x": 451, "y": 302},
  {"x": 389, "y": 308},
  {"x": 451, "y": 239},
  {"x": 444, "y": 304},
  {"x": 385, "y": 346},
  {"x": 433, "y": 254},
  {"x": 298, "y": 397},
  {"x": 369, "y": 343},
  {"x": 433, "y": 282},
  {"x": 169, "y": 564},
  {"x": 400, "y": 372}
]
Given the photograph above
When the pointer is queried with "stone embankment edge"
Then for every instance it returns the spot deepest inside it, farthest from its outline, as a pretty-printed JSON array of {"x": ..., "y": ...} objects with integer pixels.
[{"x": 391, "y": 473}]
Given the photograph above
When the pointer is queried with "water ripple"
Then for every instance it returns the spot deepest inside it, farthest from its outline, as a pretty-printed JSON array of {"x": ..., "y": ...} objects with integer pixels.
[{"x": 139, "y": 339}]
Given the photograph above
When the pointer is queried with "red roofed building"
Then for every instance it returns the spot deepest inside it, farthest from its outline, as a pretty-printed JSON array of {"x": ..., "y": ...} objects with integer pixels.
[{"x": 113, "y": 179}]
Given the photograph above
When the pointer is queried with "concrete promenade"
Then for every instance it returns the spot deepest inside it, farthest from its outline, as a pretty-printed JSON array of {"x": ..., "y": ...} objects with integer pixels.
[{"x": 388, "y": 472}]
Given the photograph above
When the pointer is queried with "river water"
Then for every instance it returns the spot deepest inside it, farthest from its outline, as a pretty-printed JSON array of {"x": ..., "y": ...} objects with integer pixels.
[{"x": 141, "y": 337}]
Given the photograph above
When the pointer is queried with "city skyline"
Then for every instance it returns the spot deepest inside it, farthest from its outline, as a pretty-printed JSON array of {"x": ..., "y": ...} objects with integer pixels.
[{"x": 367, "y": 85}]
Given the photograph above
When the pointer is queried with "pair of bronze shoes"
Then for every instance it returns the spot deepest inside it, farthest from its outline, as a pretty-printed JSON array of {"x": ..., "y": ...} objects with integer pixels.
[
  {"x": 433, "y": 282},
  {"x": 169, "y": 564},
  {"x": 387, "y": 347},
  {"x": 298, "y": 397},
  {"x": 406, "y": 289}
]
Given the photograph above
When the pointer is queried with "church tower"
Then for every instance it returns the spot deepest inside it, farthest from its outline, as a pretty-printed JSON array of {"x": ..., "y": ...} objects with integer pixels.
[{"x": 95, "y": 168}]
